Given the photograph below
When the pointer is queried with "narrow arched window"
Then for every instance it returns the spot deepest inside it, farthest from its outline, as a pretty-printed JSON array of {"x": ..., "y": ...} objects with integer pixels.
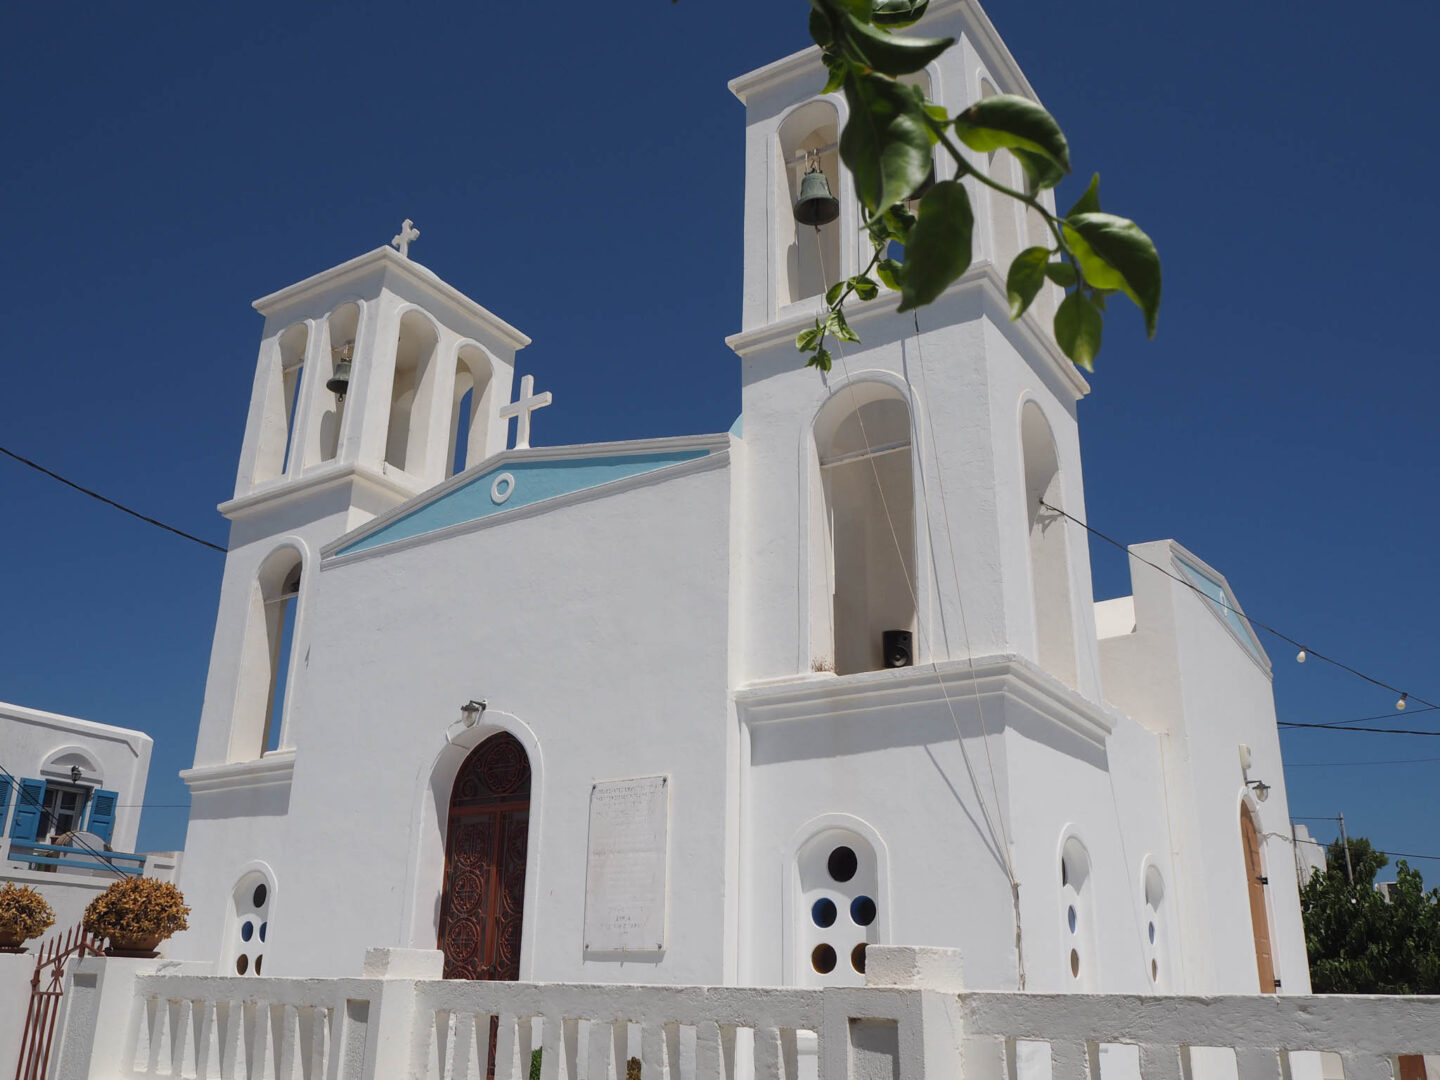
[
  {"x": 343, "y": 326},
  {"x": 809, "y": 256},
  {"x": 865, "y": 555},
  {"x": 469, "y": 410},
  {"x": 1155, "y": 947},
  {"x": 1077, "y": 934},
  {"x": 1049, "y": 558},
  {"x": 247, "y": 932},
  {"x": 282, "y": 398},
  {"x": 838, "y": 910},
  {"x": 259, "y": 719},
  {"x": 407, "y": 444}
]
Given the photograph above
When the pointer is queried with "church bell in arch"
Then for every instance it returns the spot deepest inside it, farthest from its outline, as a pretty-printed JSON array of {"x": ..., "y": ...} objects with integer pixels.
[
  {"x": 816, "y": 205},
  {"x": 339, "y": 382}
]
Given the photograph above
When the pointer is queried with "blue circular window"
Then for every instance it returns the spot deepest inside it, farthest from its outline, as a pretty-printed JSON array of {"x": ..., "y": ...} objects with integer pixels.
[
  {"x": 1152, "y": 933},
  {"x": 862, "y": 911},
  {"x": 247, "y": 930},
  {"x": 263, "y": 927},
  {"x": 823, "y": 912},
  {"x": 1071, "y": 917}
]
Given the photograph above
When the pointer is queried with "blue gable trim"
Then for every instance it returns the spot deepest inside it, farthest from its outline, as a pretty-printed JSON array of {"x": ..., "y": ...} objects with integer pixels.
[
  {"x": 1225, "y": 606},
  {"x": 530, "y": 482}
]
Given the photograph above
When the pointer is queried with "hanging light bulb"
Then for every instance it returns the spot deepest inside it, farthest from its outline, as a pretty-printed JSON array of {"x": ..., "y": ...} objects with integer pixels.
[
  {"x": 1301, "y": 655},
  {"x": 1400, "y": 705}
]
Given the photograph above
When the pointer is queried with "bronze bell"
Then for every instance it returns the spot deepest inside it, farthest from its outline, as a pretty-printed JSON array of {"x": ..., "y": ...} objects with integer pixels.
[
  {"x": 816, "y": 205},
  {"x": 339, "y": 382}
]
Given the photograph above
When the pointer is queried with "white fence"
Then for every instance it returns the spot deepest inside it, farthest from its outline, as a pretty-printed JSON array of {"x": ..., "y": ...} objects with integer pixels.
[{"x": 913, "y": 1022}]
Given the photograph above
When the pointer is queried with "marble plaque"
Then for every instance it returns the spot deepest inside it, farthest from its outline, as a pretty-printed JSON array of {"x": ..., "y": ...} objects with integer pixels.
[{"x": 625, "y": 871}]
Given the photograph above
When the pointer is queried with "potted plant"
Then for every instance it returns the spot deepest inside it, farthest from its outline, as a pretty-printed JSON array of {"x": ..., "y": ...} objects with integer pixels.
[
  {"x": 136, "y": 914},
  {"x": 24, "y": 914}
]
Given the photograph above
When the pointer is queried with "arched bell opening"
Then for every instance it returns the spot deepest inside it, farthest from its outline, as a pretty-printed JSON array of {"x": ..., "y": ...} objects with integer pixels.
[
  {"x": 809, "y": 257},
  {"x": 275, "y": 448},
  {"x": 264, "y": 687},
  {"x": 470, "y": 409},
  {"x": 1049, "y": 556},
  {"x": 412, "y": 394},
  {"x": 338, "y": 369}
]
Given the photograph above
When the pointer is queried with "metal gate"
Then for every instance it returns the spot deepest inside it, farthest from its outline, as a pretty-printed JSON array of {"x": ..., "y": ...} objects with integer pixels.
[{"x": 46, "y": 987}]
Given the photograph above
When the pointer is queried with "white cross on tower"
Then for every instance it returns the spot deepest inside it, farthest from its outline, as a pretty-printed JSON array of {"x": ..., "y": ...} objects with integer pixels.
[
  {"x": 407, "y": 233},
  {"x": 522, "y": 407}
]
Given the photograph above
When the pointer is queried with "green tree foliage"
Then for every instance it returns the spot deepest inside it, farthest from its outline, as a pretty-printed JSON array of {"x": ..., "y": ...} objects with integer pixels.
[
  {"x": 1360, "y": 943},
  {"x": 887, "y": 145}
]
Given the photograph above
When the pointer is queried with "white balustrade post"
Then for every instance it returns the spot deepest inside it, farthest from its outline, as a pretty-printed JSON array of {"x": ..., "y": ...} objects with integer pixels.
[{"x": 391, "y": 1047}]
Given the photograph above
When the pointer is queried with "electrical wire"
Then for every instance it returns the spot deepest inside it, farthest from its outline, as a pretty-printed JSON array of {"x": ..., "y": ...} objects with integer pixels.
[
  {"x": 1338, "y": 727},
  {"x": 111, "y": 502},
  {"x": 1336, "y": 764},
  {"x": 1248, "y": 618}
]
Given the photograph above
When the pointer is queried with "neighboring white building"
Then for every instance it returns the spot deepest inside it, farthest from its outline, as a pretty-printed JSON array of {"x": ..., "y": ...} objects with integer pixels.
[
  {"x": 627, "y": 711},
  {"x": 1309, "y": 855}
]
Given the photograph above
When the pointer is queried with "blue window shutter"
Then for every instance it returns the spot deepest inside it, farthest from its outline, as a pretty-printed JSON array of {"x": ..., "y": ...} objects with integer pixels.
[
  {"x": 5, "y": 789},
  {"x": 102, "y": 814},
  {"x": 29, "y": 809}
]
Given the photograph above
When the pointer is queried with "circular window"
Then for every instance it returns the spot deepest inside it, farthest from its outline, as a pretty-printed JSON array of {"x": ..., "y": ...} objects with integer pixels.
[
  {"x": 842, "y": 864},
  {"x": 1154, "y": 971},
  {"x": 1152, "y": 933},
  {"x": 823, "y": 959},
  {"x": 501, "y": 488},
  {"x": 1070, "y": 917},
  {"x": 242, "y": 964},
  {"x": 247, "y": 930},
  {"x": 823, "y": 912},
  {"x": 263, "y": 927},
  {"x": 1074, "y": 963},
  {"x": 862, "y": 912},
  {"x": 260, "y": 895},
  {"x": 857, "y": 958},
  {"x": 258, "y": 961}
]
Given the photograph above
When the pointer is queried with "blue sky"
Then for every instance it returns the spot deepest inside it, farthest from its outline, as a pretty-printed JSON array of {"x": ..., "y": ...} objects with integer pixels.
[{"x": 579, "y": 173}]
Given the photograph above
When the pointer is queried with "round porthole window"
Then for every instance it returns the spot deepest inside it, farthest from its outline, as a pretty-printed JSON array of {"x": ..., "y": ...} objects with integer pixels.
[
  {"x": 501, "y": 488},
  {"x": 247, "y": 930},
  {"x": 842, "y": 864},
  {"x": 823, "y": 912},
  {"x": 1074, "y": 963},
  {"x": 857, "y": 958},
  {"x": 263, "y": 927},
  {"x": 260, "y": 895},
  {"x": 862, "y": 911},
  {"x": 1071, "y": 918},
  {"x": 258, "y": 961},
  {"x": 242, "y": 964},
  {"x": 823, "y": 959}
]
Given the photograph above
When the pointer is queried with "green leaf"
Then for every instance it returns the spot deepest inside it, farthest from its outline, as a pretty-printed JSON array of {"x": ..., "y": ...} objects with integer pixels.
[
  {"x": 939, "y": 247},
  {"x": 1011, "y": 122},
  {"x": 838, "y": 68},
  {"x": 1089, "y": 203},
  {"x": 1061, "y": 273},
  {"x": 1022, "y": 283},
  {"x": 820, "y": 360},
  {"x": 820, "y": 31},
  {"x": 897, "y": 13},
  {"x": 835, "y": 323},
  {"x": 892, "y": 54},
  {"x": 865, "y": 288},
  {"x": 1077, "y": 329},
  {"x": 1040, "y": 172},
  {"x": 888, "y": 271},
  {"x": 886, "y": 141},
  {"x": 1114, "y": 253},
  {"x": 833, "y": 293},
  {"x": 806, "y": 340}
]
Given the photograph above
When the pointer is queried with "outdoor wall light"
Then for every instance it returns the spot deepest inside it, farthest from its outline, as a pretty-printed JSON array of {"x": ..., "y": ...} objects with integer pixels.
[
  {"x": 471, "y": 711},
  {"x": 1262, "y": 789},
  {"x": 75, "y": 774}
]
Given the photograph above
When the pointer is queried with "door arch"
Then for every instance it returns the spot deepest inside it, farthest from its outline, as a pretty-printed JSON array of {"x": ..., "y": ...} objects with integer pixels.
[
  {"x": 1259, "y": 917},
  {"x": 486, "y": 839}
]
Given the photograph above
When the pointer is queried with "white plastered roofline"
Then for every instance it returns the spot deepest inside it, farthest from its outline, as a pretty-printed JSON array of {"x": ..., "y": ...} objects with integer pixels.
[
  {"x": 393, "y": 262},
  {"x": 980, "y": 29},
  {"x": 135, "y": 740},
  {"x": 713, "y": 443},
  {"x": 1179, "y": 551}
]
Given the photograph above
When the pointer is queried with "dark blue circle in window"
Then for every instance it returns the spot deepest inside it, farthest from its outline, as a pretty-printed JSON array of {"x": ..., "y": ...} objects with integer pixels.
[
  {"x": 247, "y": 928},
  {"x": 823, "y": 912},
  {"x": 842, "y": 864},
  {"x": 862, "y": 911},
  {"x": 263, "y": 927},
  {"x": 257, "y": 898}
]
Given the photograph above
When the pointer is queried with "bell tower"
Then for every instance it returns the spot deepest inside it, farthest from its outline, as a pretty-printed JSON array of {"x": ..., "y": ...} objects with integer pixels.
[{"x": 375, "y": 381}]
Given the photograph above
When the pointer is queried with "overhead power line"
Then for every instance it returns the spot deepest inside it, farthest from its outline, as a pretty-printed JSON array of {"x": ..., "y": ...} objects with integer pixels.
[
  {"x": 1339, "y": 727},
  {"x": 110, "y": 502}
]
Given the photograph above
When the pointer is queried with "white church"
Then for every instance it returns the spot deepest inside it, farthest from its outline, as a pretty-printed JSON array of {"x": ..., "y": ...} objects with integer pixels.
[{"x": 729, "y": 708}]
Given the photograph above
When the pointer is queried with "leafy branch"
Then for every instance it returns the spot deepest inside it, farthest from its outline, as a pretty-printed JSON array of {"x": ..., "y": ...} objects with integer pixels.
[{"x": 887, "y": 145}]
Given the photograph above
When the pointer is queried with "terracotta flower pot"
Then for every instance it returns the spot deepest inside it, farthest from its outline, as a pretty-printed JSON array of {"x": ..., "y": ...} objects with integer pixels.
[
  {"x": 11, "y": 940},
  {"x": 138, "y": 945}
]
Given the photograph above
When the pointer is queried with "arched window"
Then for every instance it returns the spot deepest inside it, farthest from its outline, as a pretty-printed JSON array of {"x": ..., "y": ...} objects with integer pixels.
[
  {"x": 838, "y": 910},
  {"x": 343, "y": 326},
  {"x": 265, "y": 660},
  {"x": 282, "y": 396},
  {"x": 1049, "y": 559},
  {"x": 411, "y": 395},
  {"x": 469, "y": 409},
  {"x": 1158, "y": 961},
  {"x": 1077, "y": 933},
  {"x": 809, "y": 257},
  {"x": 248, "y": 926},
  {"x": 1006, "y": 223},
  {"x": 866, "y": 550}
]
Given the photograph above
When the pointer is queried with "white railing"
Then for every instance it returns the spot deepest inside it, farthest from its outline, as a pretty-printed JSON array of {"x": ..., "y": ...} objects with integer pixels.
[{"x": 913, "y": 1022}]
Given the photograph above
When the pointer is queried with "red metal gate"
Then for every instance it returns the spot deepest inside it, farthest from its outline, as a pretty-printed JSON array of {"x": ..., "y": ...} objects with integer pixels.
[{"x": 46, "y": 986}]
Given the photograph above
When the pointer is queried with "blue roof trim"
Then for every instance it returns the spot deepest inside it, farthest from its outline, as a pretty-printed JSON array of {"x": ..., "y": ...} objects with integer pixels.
[
  {"x": 1225, "y": 604},
  {"x": 529, "y": 482}
]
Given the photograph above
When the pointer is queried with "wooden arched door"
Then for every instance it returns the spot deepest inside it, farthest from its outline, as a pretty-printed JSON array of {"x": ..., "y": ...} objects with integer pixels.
[
  {"x": 1259, "y": 917},
  {"x": 483, "y": 902}
]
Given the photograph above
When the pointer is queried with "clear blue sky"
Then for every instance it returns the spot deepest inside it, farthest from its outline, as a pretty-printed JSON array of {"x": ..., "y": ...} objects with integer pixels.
[{"x": 577, "y": 169}]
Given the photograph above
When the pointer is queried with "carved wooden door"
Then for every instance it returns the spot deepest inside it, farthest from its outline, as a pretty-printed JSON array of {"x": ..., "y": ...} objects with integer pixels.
[
  {"x": 1259, "y": 917},
  {"x": 482, "y": 906}
]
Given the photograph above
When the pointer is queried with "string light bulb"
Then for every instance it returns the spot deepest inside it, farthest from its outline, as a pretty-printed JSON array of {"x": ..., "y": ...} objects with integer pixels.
[
  {"x": 1400, "y": 705},
  {"x": 1301, "y": 655}
]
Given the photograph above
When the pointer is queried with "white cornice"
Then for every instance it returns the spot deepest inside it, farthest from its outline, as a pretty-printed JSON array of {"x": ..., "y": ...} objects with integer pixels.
[
  {"x": 283, "y": 490},
  {"x": 135, "y": 740},
  {"x": 949, "y": 680},
  {"x": 275, "y": 769},
  {"x": 392, "y": 262}
]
